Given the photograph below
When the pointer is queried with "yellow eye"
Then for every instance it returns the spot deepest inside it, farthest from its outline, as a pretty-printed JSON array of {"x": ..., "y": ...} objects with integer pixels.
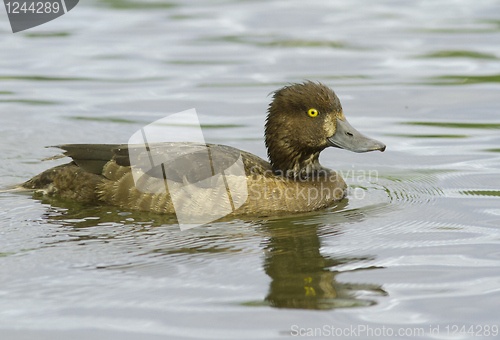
[{"x": 312, "y": 112}]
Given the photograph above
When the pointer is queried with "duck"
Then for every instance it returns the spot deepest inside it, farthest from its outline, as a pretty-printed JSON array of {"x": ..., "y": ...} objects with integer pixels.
[{"x": 302, "y": 120}]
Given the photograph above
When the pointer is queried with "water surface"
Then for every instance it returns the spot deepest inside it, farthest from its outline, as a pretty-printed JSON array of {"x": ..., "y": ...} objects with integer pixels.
[{"x": 414, "y": 246}]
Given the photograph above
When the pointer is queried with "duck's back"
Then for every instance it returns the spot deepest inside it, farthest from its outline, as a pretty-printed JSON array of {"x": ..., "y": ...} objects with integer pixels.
[{"x": 102, "y": 173}]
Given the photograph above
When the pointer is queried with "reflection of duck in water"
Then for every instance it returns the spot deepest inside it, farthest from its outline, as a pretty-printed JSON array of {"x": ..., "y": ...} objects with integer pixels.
[
  {"x": 302, "y": 277},
  {"x": 303, "y": 120},
  {"x": 302, "y": 274}
]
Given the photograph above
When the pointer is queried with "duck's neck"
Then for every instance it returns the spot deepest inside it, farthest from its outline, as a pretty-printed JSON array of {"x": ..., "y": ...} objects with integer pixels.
[{"x": 287, "y": 161}]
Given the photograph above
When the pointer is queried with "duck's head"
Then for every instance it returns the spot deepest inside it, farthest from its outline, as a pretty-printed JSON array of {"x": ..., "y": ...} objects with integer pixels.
[{"x": 303, "y": 119}]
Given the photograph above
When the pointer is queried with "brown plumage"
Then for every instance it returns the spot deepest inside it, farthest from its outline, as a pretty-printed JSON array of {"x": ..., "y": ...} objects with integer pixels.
[
  {"x": 294, "y": 139},
  {"x": 293, "y": 181}
]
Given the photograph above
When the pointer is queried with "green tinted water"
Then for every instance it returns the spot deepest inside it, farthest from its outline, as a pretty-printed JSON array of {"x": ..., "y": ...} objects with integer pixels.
[{"x": 415, "y": 245}]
